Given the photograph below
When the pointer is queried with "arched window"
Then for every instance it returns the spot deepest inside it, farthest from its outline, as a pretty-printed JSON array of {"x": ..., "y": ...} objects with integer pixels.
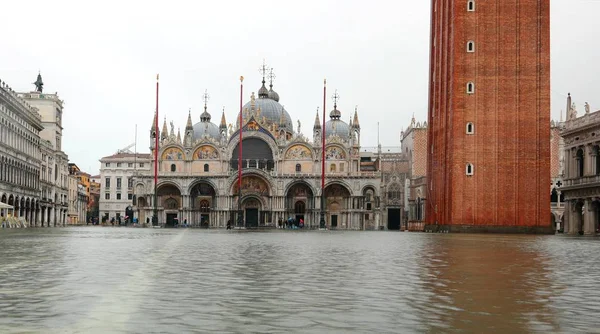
[
  {"x": 470, "y": 128},
  {"x": 470, "y": 46},
  {"x": 580, "y": 162},
  {"x": 332, "y": 168},
  {"x": 470, "y": 87},
  {"x": 471, "y": 5},
  {"x": 298, "y": 168},
  {"x": 469, "y": 169},
  {"x": 173, "y": 167},
  {"x": 206, "y": 167}
]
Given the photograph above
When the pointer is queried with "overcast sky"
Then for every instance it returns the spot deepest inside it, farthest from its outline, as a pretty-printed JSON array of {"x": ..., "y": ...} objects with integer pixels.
[{"x": 103, "y": 59}]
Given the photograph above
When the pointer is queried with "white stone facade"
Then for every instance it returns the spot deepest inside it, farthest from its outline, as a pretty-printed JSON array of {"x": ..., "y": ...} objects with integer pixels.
[
  {"x": 116, "y": 183},
  {"x": 20, "y": 127},
  {"x": 581, "y": 187},
  {"x": 54, "y": 162}
]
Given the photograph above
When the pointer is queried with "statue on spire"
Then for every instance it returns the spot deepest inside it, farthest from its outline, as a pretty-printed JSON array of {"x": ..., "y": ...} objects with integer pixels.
[{"x": 39, "y": 84}]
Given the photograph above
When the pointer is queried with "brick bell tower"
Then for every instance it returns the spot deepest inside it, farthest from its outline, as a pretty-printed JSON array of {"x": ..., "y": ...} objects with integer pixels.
[{"x": 489, "y": 116}]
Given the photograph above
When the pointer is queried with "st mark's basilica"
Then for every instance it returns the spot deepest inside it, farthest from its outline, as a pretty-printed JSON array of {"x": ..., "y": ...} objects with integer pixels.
[{"x": 281, "y": 174}]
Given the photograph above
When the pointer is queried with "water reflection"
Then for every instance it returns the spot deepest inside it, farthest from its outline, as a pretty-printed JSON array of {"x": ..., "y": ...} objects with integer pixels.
[{"x": 99, "y": 280}]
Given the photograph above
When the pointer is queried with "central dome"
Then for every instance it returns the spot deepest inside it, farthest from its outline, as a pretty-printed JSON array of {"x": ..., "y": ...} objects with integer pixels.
[{"x": 271, "y": 111}]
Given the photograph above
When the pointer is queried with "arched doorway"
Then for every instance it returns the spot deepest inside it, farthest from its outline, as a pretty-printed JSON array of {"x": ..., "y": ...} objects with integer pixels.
[
  {"x": 169, "y": 201},
  {"x": 300, "y": 204},
  {"x": 257, "y": 188},
  {"x": 202, "y": 196},
  {"x": 252, "y": 208},
  {"x": 337, "y": 198}
]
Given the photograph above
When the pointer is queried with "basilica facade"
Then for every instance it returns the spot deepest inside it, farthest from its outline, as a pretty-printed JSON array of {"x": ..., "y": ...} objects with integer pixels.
[{"x": 281, "y": 172}]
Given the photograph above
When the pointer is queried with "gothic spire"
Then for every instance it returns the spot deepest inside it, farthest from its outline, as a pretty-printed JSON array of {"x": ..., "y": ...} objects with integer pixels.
[
  {"x": 189, "y": 124},
  {"x": 355, "y": 122},
  {"x": 317, "y": 122},
  {"x": 179, "y": 136},
  {"x": 164, "y": 133},
  {"x": 223, "y": 124}
]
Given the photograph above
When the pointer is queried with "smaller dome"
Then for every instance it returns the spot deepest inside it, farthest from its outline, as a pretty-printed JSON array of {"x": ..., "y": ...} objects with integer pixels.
[
  {"x": 206, "y": 129},
  {"x": 205, "y": 116},
  {"x": 335, "y": 113},
  {"x": 263, "y": 92},
  {"x": 337, "y": 127},
  {"x": 273, "y": 95}
]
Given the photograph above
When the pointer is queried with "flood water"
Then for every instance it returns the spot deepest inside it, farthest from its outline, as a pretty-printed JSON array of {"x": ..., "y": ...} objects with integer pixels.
[{"x": 125, "y": 280}]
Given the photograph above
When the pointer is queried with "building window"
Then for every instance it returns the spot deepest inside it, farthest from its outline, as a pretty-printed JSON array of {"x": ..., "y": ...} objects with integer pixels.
[
  {"x": 470, "y": 87},
  {"x": 107, "y": 164},
  {"x": 118, "y": 164},
  {"x": 332, "y": 168},
  {"x": 141, "y": 165},
  {"x": 470, "y": 128},
  {"x": 369, "y": 206},
  {"x": 470, "y": 46},
  {"x": 130, "y": 182},
  {"x": 298, "y": 168},
  {"x": 118, "y": 195},
  {"x": 173, "y": 167},
  {"x": 471, "y": 5},
  {"x": 206, "y": 167},
  {"x": 107, "y": 182},
  {"x": 130, "y": 196},
  {"x": 118, "y": 183},
  {"x": 130, "y": 164},
  {"x": 469, "y": 169},
  {"x": 107, "y": 196}
]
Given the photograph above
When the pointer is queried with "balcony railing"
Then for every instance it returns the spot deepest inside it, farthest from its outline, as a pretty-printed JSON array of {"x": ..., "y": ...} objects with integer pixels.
[{"x": 584, "y": 180}]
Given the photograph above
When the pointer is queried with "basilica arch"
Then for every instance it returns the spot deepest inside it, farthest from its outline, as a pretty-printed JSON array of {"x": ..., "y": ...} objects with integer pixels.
[
  {"x": 169, "y": 203},
  {"x": 256, "y": 153},
  {"x": 337, "y": 204},
  {"x": 203, "y": 201},
  {"x": 255, "y": 212},
  {"x": 300, "y": 203}
]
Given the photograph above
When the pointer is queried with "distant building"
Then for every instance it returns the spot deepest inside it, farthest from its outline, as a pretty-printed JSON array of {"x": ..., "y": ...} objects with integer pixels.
[
  {"x": 581, "y": 187},
  {"x": 557, "y": 160},
  {"x": 54, "y": 170},
  {"x": 489, "y": 117},
  {"x": 414, "y": 145},
  {"x": 116, "y": 187},
  {"x": 78, "y": 195},
  {"x": 20, "y": 127}
]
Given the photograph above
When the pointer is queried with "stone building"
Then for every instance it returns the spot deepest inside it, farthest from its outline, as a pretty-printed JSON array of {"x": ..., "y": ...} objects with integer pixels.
[
  {"x": 54, "y": 169},
  {"x": 20, "y": 127},
  {"x": 414, "y": 146},
  {"x": 395, "y": 175},
  {"x": 78, "y": 196},
  {"x": 557, "y": 198},
  {"x": 581, "y": 187},
  {"x": 117, "y": 173},
  {"x": 489, "y": 120},
  {"x": 198, "y": 182}
]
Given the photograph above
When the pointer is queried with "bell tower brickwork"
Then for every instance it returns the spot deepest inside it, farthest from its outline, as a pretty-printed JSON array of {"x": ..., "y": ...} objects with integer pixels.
[{"x": 490, "y": 67}]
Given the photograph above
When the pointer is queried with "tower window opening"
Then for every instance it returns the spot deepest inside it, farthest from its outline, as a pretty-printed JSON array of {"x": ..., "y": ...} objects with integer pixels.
[
  {"x": 298, "y": 168},
  {"x": 173, "y": 167},
  {"x": 470, "y": 128},
  {"x": 470, "y": 88},
  {"x": 470, "y": 46},
  {"x": 206, "y": 167},
  {"x": 469, "y": 169},
  {"x": 471, "y": 5}
]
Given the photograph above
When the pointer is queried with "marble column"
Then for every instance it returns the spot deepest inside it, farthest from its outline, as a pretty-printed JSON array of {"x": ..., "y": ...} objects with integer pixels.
[{"x": 589, "y": 226}]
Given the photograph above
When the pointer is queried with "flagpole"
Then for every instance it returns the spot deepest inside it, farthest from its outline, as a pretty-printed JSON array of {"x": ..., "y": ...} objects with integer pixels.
[
  {"x": 322, "y": 220},
  {"x": 240, "y": 212},
  {"x": 155, "y": 215}
]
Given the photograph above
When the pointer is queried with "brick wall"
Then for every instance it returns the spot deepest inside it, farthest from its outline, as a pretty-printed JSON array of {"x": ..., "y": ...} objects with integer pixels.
[{"x": 510, "y": 110}]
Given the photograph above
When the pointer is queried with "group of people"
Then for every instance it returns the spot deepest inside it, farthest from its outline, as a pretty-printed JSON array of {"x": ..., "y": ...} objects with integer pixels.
[{"x": 291, "y": 223}]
